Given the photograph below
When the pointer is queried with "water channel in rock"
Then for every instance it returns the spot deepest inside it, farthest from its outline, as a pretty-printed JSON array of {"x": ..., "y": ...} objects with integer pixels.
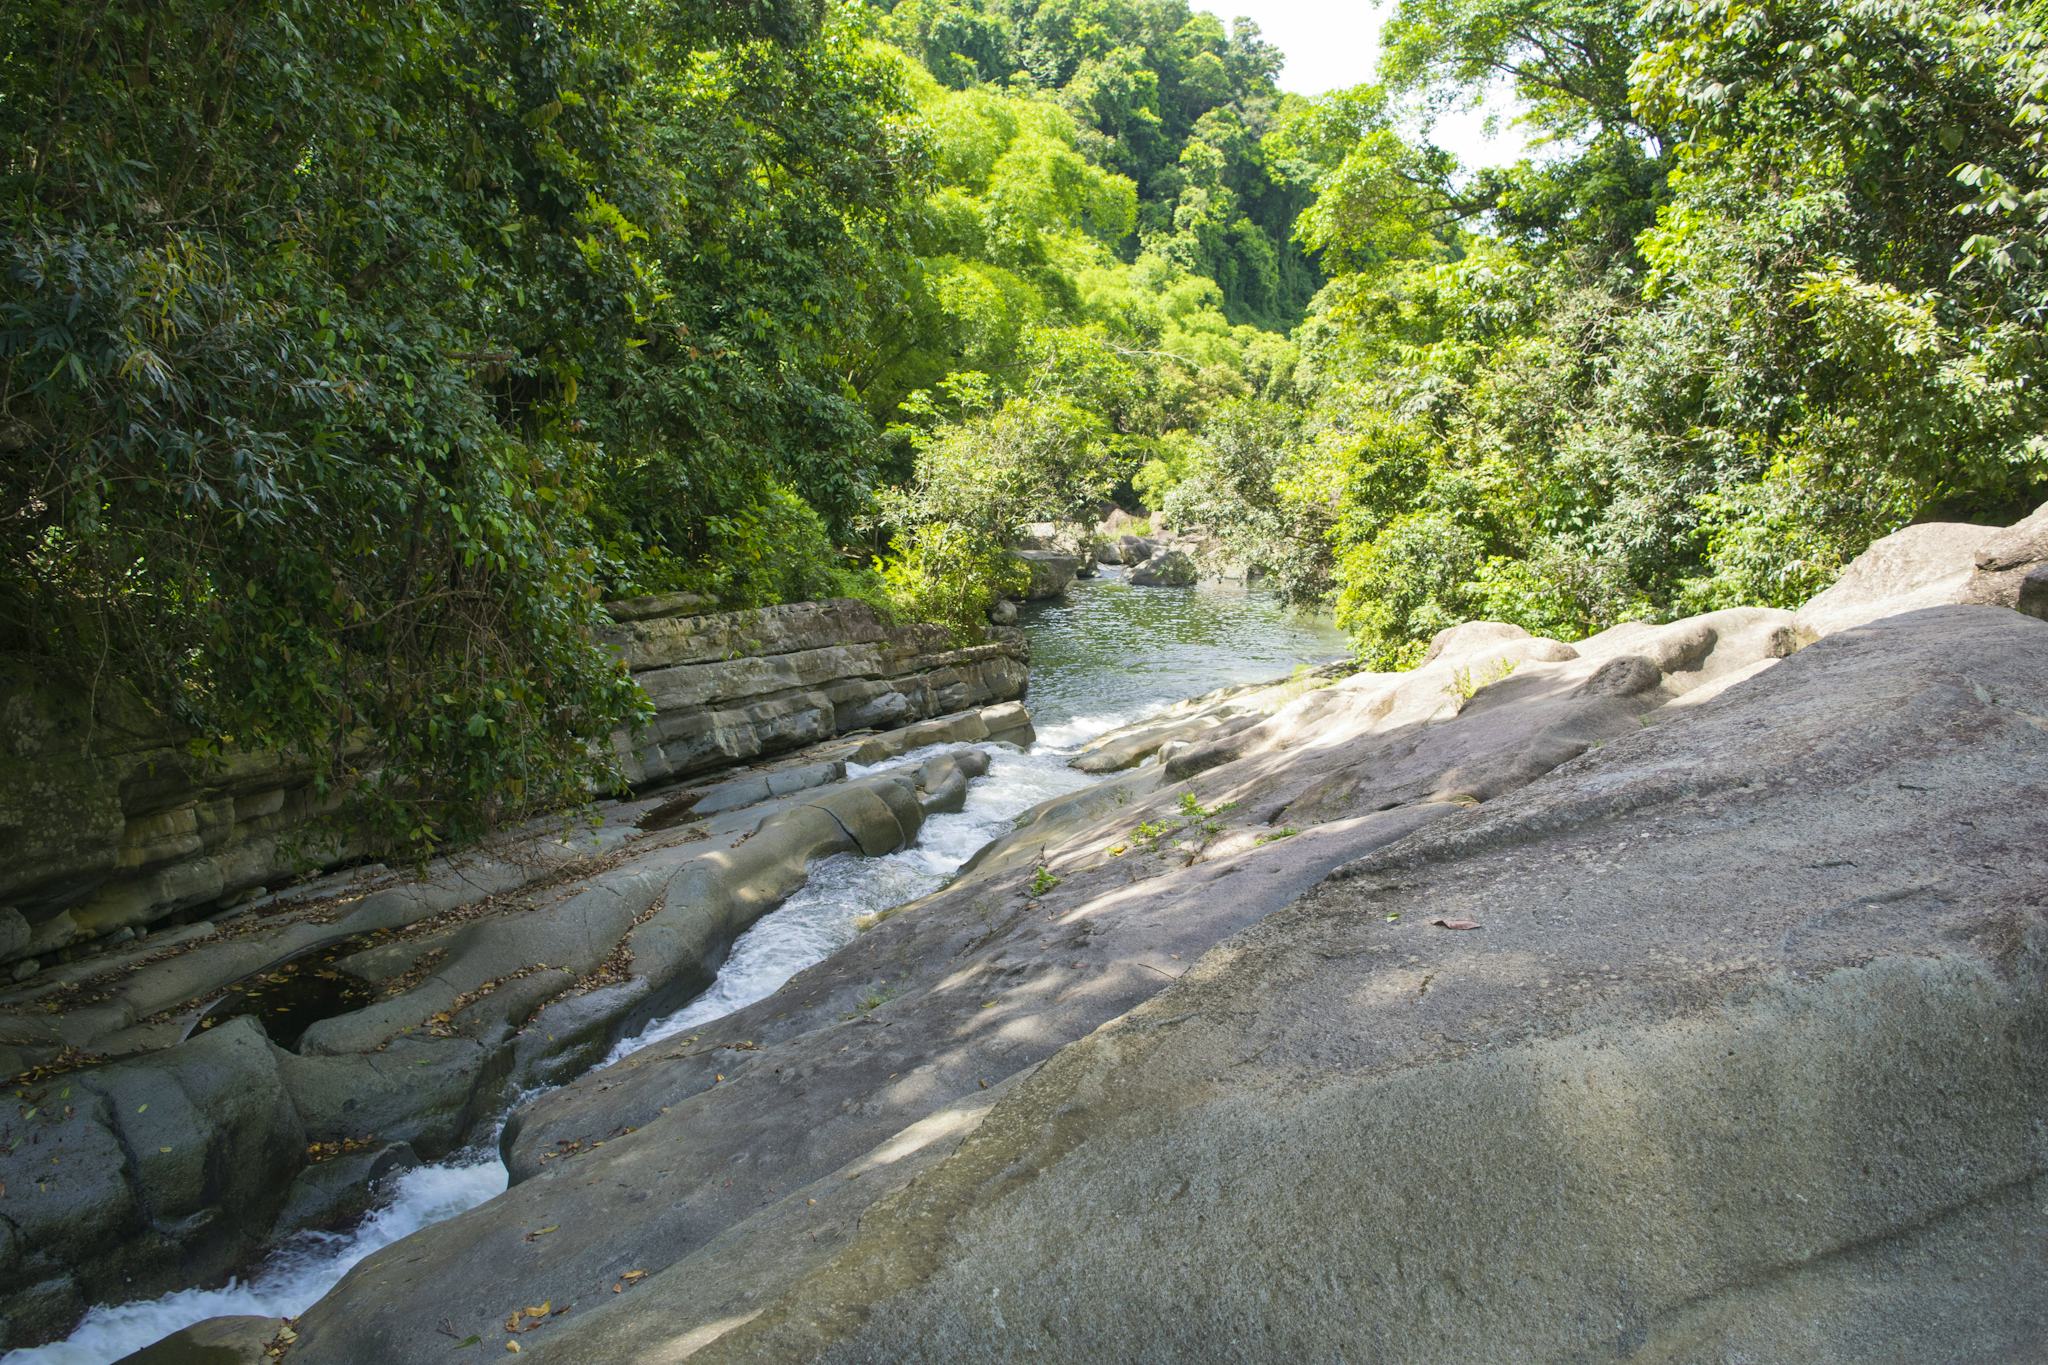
[{"x": 1101, "y": 657}]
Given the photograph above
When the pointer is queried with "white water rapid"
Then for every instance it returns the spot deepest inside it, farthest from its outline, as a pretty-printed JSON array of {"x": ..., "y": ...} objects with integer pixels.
[
  {"x": 806, "y": 928},
  {"x": 1104, "y": 656}
]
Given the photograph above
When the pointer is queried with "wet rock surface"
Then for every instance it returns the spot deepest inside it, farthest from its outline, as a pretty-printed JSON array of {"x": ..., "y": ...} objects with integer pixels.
[
  {"x": 1712, "y": 958},
  {"x": 182, "y": 1103}
]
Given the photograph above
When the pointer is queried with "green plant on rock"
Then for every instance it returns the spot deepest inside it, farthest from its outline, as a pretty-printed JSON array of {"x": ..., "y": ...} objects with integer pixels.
[{"x": 1467, "y": 683}]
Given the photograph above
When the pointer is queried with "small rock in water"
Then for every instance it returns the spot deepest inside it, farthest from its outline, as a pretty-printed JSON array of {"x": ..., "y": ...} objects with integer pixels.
[{"x": 1174, "y": 569}]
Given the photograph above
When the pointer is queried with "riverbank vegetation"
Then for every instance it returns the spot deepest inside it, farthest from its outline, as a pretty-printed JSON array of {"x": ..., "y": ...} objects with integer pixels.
[
  {"x": 353, "y": 354},
  {"x": 1769, "y": 289}
]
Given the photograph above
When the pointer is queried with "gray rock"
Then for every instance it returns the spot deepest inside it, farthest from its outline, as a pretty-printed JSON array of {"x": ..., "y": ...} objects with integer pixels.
[
  {"x": 39, "y": 1310},
  {"x": 1753, "y": 1031},
  {"x": 1003, "y": 613},
  {"x": 1171, "y": 569},
  {"x": 335, "y": 1192},
  {"x": 1755, "y": 1077},
  {"x": 1009, "y": 723},
  {"x": 772, "y": 1186},
  {"x": 871, "y": 1063},
  {"x": 14, "y": 933},
  {"x": 2021, "y": 545},
  {"x": 177, "y": 1166},
  {"x": 658, "y": 606},
  {"x": 1936, "y": 563},
  {"x": 1050, "y": 572},
  {"x": 217, "y": 1341},
  {"x": 1198, "y": 718}
]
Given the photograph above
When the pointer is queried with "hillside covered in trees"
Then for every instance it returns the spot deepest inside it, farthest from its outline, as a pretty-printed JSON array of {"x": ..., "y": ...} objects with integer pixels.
[{"x": 354, "y": 354}]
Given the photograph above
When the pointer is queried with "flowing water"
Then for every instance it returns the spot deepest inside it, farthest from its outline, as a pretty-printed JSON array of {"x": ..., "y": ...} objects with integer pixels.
[{"x": 1106, "y": 655}]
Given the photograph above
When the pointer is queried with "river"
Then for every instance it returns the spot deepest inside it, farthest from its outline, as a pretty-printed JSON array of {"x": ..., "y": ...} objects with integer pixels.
[{"x": 1104, "y": 656}]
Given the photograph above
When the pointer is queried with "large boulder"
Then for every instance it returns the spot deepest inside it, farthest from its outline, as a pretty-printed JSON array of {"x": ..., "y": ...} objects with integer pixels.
[
  {"x": 1172, "y": 569},
  {"x": 1936, "y": 563},
  {"x": 1051, "y": 572}
]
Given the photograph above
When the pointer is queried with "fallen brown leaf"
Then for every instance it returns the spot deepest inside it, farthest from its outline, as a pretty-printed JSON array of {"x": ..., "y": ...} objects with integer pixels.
[{"x": 1456, "y": 923}]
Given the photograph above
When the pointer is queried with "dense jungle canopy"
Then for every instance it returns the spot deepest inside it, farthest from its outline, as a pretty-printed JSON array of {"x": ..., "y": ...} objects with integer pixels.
[{"x": 354, "y": 351}]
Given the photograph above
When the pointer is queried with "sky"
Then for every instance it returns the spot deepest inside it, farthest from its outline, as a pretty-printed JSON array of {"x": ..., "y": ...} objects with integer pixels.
[{"x": 1331, "y": 44}]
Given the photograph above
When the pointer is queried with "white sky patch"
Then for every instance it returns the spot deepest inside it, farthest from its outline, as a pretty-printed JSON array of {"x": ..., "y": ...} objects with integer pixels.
[{"x": 1333, "y": 44}]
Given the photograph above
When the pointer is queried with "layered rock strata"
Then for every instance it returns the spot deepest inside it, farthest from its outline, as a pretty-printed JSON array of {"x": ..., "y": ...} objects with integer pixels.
[
  {"x": 735, "y": 686},
  {"x": 112, "y": 826}
]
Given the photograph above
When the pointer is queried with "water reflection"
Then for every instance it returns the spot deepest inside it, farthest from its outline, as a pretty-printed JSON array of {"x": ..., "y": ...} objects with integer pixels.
[{"x": 1108, "y": 648}]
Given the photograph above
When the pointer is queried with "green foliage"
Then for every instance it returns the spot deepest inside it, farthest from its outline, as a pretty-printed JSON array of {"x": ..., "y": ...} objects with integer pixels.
[
  {"x": 285, "y": 361},
  {"x": 1774, "y": 294},
  {"x": 943, "y": 574},
  {"x": 1169, "y": 99},
  {"x": 336, "y": 336},
  {"x": 353, "y": 353}
]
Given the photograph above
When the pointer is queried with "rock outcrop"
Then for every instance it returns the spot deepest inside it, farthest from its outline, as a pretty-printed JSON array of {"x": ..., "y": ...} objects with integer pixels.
[
  {"x": 736, "y": 686},
  {"x": 1167, "y": 569},
  {"x": 113, "y": 826},
  {"x": 1745, "y": 1059},
  {"x": 1049, "y": 573},
  {"x": 183, "y": 1102},
  {"x": 110, "y": 824},
  {"x": 1673, "y": 994},
  {"x": 1217, "y": 715},
  {"x": 1936, "y": 563}
]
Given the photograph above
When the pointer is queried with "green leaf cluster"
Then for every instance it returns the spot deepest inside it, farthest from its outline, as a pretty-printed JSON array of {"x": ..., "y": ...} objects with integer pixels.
[
  {"x": 1768, "y": 287},
  {"x": 352, "y": 352}
]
